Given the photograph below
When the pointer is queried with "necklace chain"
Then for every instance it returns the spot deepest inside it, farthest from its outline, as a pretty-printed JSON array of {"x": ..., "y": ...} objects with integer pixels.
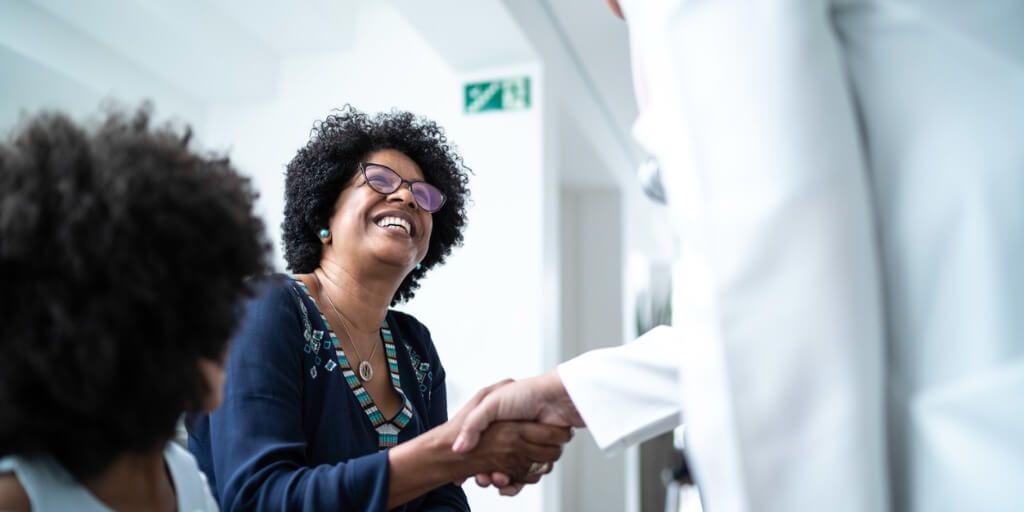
[{"x": 364, "y": 373}]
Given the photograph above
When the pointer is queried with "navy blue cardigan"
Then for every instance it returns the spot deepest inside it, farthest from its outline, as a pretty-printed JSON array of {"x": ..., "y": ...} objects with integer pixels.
[{"x": 288, "y": 437}]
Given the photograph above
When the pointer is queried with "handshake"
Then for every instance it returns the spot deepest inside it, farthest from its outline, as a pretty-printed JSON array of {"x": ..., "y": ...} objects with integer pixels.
[
  {"x": 531, "y": 418},
  {"x": 508, "y": 435}
]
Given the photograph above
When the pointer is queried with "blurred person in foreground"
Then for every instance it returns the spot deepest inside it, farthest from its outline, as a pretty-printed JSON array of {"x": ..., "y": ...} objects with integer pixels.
[
  {"x": 334, "y": 400},
  {"x": 124, "y": 253},
  {"x": 846, "y": 179}
]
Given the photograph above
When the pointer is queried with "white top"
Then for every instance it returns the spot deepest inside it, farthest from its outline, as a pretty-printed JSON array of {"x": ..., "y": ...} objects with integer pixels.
[
  {"x": 50, "y": 487},
  {"x": 846, "y": 178}
]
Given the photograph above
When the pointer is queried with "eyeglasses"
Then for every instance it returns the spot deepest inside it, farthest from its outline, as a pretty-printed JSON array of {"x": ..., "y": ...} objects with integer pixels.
[{"x": 385, "y": 180}]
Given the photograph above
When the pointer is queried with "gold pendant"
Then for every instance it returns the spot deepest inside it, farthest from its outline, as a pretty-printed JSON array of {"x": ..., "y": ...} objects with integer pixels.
[{"x": 365, "y": 371}]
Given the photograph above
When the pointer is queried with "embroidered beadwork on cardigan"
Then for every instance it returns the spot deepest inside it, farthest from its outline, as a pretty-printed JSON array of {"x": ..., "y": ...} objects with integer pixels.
[
  {"x": 423, "y": 376},
  {"x": 387, "y": 429},
  {"x": 314, "y": 340}
]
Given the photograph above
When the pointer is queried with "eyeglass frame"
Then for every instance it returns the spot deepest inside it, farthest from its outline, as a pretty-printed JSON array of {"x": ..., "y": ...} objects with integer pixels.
[{"x": 403, "y": 181}]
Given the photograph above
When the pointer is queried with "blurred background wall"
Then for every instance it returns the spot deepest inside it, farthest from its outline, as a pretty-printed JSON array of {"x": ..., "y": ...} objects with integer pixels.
[{"x": 560, "y": 242}]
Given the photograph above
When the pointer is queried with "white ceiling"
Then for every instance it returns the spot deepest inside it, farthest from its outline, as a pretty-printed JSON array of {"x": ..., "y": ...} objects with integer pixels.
[
  {"x": 469, "y": 34},
  {"x": 217, "y": 50},
  {"x": 294, "y": 27},
  {"x": 232, "y": 50},
  {"x": 600, "y": 42}
]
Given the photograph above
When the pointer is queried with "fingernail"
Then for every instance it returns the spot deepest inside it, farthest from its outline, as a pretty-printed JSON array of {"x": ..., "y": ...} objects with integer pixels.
[{"x": 460, "y": 443}]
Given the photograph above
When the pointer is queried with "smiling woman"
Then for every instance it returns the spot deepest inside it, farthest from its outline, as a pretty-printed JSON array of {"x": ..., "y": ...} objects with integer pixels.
[
  {"x": 331, "y": 160},
  {"x": 355, "y": 419}
]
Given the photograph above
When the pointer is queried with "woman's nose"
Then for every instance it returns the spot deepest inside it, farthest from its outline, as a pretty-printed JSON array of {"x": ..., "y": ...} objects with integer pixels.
[{"x": 403, "y": 195}]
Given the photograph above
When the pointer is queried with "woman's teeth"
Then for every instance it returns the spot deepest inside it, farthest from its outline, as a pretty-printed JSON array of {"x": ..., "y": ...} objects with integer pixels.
[{"x": 395, "y": 222}]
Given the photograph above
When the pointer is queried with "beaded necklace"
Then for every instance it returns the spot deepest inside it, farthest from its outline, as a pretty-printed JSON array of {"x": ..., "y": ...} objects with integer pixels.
[{"x": 387, "y": 429}]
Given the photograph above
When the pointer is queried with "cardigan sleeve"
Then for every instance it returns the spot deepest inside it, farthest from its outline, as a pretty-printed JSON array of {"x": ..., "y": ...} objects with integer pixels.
[
  {"x": 257, "y": 438},
  {"x": 448, "y": 497}
]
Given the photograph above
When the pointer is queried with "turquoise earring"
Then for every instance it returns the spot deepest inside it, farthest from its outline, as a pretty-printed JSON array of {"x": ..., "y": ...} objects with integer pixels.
[
  {"x": 418, "y": 266},
  {"x": 324, "y": 233}
]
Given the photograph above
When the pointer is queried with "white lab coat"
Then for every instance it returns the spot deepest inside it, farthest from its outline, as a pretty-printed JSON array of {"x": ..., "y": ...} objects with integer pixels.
[{"x": 847, "y": 182}]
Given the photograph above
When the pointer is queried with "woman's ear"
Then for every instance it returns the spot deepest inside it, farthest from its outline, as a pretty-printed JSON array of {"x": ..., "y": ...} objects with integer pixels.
[{"x": 213, "y": 373}]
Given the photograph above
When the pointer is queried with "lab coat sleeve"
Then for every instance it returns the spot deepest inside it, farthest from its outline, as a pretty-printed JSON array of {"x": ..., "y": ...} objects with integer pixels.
[
  {"x": 627, "y": 394},
  {"x": 779, "y": 302}
]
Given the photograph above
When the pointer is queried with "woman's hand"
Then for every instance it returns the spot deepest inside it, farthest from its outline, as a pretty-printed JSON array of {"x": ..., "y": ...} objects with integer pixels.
[
  {"x": 506, "y": 447},
  {"x": 523, "y": 451},
  {"x": 502, "y": 437},
  {"x": 542, "y": 399}
]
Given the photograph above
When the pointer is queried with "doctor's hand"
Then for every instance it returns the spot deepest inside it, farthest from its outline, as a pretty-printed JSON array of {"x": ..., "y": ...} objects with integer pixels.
[
  {"x": 542, "y": 399},
  {"x": 524, "y": 450},
  {"x": 520, "y": 451}
]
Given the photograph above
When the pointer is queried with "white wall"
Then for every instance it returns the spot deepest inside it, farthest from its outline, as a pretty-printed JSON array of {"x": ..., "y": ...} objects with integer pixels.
[{"x": 592, "y": 292}]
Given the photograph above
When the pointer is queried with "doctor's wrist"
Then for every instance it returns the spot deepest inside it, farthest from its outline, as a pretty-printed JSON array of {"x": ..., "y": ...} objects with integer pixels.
[{"x": 558, "y": 406}]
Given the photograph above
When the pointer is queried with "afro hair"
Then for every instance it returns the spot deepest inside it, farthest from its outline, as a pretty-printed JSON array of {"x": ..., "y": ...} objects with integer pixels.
[{"x": 124, "y": 257}]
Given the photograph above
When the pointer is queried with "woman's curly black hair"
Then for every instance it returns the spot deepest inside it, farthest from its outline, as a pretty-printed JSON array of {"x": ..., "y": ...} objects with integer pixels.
[
  {"x": 124, "y": 258},
  {"x": 318, "y": 173}
]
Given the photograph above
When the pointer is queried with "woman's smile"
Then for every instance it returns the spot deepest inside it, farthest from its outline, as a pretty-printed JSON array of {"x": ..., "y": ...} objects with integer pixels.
[{"x": 396, "y": 222}]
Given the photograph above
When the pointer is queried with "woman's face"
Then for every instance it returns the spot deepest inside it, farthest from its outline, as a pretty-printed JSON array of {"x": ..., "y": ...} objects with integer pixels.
[{"x": 370, "y": 228}]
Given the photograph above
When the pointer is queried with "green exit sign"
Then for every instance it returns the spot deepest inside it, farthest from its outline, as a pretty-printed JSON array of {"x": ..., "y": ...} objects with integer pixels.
[{"x": 506, "y": 94}]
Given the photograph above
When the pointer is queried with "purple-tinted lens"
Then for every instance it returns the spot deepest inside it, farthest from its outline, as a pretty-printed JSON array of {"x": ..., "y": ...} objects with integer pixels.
[
  {"x": 382, "y": 179},
  {"x": 385, "y": 181},
  {"x": 427, "y": 196}
]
